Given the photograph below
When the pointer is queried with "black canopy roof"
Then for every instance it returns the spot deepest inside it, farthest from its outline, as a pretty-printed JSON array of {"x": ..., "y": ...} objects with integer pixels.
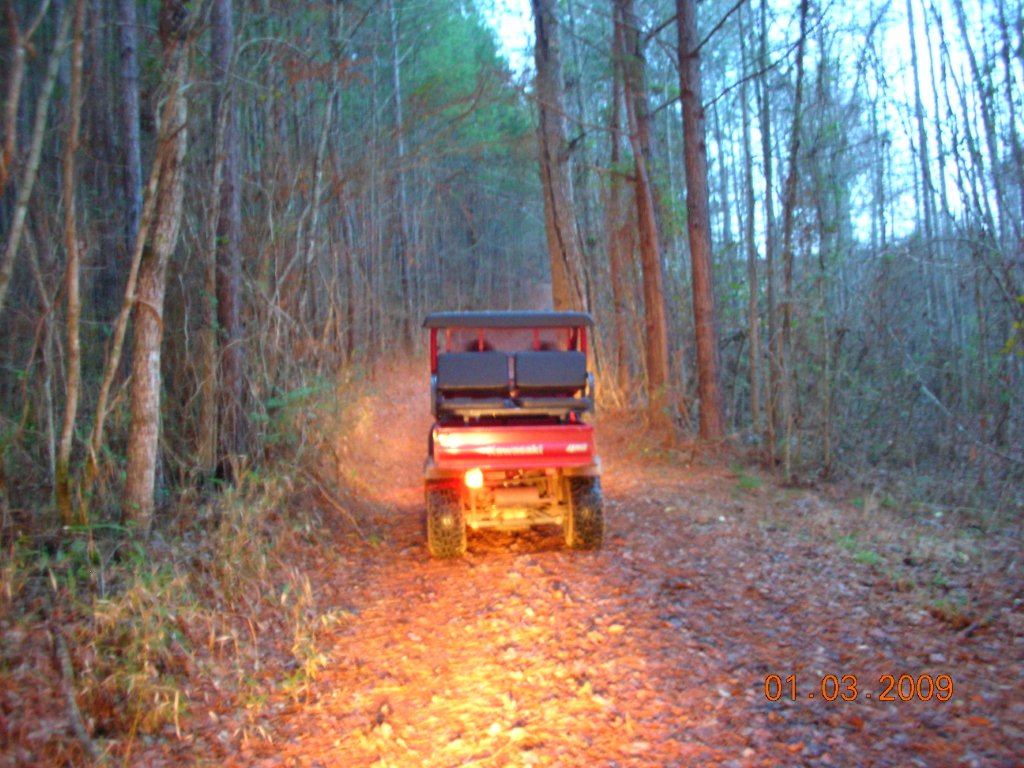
[{"x": 507, "y": 319}]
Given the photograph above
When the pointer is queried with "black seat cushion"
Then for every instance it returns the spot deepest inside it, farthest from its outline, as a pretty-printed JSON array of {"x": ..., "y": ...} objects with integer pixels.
[
  {"x": 472, "y": 373},
  {"x": 551, "y": 373}
]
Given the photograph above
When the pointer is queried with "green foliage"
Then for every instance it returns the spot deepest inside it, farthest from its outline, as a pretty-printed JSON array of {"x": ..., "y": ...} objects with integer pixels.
[
  {"x": 455, "y": 86},
  {"x": 847, "y": 541},
  {"x": 291, "y": 416},
  {"x": 866, "y": 557},
  {"x": 1013, "y": 345},
  {"x": 745, "y": 482},
  {"x": 862, "y": 552},
  {"x": 955, "y": 611}
]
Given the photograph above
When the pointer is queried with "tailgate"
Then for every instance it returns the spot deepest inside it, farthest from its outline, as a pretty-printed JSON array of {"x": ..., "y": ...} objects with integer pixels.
[{"x": 514, "y": 447}]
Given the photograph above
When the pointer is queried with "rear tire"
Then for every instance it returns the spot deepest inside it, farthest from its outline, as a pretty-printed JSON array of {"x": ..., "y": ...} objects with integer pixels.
[
  {"x": 584, "y": 525},
  {"x": 446, "y": 525}
]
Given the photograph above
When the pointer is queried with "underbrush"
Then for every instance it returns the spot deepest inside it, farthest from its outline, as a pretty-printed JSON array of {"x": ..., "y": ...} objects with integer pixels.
[
  {"x": 957, "y": 565},
  {"x": 112, "y": 641}
]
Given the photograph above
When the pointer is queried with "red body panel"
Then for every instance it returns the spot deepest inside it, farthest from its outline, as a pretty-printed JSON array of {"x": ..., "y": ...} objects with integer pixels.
[{"x": 514, "y": 447}]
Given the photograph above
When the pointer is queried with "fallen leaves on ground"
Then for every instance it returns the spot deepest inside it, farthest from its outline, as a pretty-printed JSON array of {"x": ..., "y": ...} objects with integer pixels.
[{"x": 712, "y": 596}]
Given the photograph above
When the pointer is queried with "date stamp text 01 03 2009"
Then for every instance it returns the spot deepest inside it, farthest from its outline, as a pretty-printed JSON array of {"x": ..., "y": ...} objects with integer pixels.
[{"x": 848, "y": 688}]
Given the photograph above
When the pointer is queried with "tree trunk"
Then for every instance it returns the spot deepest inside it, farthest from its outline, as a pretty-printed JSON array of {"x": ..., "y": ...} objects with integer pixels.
[
  {"x": 31, "y": 169},
  {"x": 615, "y": 237},
  {"x": 984, "y": 91},
  {"x": 659, "y": 400},
  {"x": 753, "y": 320},
  {"x": 18, "y": 44},
  {"x": 583, "y": 177},
  {"x": 62, "y": 479},
  {"x": 556, "y": 179},
  {"x": 923, "y": 194},
  {"x": 1016, "y": 146},
  {"x": 712, "y": 418},
  {"x": 233, "y": 425},
  {"x": 955, "y": 331},
  {"x": 144, "y": 431},
  {"x": 207, "y": 441},
  {"x": 15, "y": 75},
  {"x": 788, "y": 216},
  {"x": 113, "y": 359},
  {"x": 130, "y": 152},
  {"x": 765, "y": 122},
  {"x": 403, "y": 253}
]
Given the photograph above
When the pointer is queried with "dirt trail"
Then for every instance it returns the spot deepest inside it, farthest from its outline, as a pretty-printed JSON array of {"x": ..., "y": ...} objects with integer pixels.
[{"x": 651, "y": 652}]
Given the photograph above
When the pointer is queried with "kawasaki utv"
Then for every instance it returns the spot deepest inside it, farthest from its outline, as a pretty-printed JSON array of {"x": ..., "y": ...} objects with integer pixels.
[{"x": 512, "y": 443}]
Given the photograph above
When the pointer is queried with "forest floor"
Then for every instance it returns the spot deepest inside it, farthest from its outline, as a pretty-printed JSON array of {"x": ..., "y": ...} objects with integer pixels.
[{"x": 653, "y": 651}]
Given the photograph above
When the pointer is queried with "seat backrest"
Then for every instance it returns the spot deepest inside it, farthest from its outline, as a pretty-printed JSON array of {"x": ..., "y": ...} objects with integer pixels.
[
  {"x": 482, "y": 373},
  {"x": 557, "y": 373}
]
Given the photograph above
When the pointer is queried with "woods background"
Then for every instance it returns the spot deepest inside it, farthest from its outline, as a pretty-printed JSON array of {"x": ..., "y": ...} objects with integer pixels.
[{"x": 211, "y": 210}]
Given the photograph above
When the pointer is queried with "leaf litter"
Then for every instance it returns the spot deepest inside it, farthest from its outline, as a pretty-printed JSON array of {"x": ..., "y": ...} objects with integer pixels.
[{"x": 654, "y": 651}]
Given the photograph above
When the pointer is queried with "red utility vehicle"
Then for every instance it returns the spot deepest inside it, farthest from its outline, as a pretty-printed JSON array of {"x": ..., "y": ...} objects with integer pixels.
[{"x": 513, "y": 440}]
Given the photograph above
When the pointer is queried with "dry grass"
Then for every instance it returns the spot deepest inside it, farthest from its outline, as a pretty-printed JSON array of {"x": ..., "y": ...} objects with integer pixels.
[{"x": 215, "y": 606}]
